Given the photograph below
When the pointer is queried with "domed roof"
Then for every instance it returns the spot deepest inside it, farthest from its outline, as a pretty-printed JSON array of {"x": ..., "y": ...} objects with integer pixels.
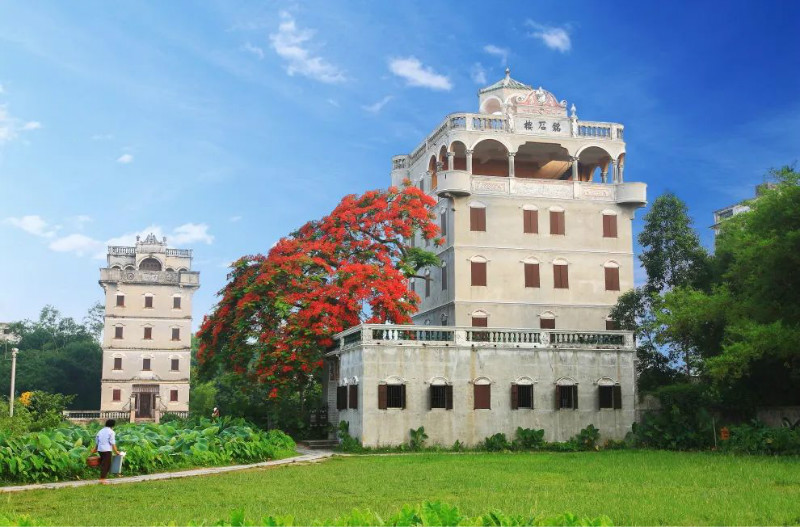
[{"x": 505, "y": 83}]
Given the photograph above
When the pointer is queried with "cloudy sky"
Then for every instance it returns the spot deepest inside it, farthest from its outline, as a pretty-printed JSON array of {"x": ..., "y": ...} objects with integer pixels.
[{"x": 224, "y": 125}]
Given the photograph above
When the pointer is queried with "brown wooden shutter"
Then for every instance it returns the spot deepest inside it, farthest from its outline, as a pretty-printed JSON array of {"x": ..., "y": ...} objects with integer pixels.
[
  {"x": 353, "y": 396},
  {"x": 430, "y": 397},
  {"x": 478, "y": 270},
  {"x": 547, "y": 323},
  {"x": 514, "y": 396},
  {"x": 480, "y": 322},
  {"x": 483, "y": 396},
  {"x": 148, "y": 333},
  {"x": 402, "y": 396},
  {"x": 532, "y": 275},
  {"x": 120, "y": 300},
  {"x": 176, "y": 302},
  {"x": 558, "y": 397},
  {"x": 116, "y": 395},
  {"x": 382, "y": 396},
  {"x": 173, "y": 396},
  {"x": 611, "y": 325},
  {"x": 530, "y": 221},
  {"x": 617, "y": 397},
  {"x": 117, "y": 363},
  {"x": 560, "y": 276},
  {"x": 477, "y": 219},
  {"x": 609, "y": 226},
  {"x": 612, "y": 278},
  {"x": 574, "y": 396},
  {"x": 557, "y": 225},
  {"x": 118, "y": 332},
  {"x": 448, "y": 397}
]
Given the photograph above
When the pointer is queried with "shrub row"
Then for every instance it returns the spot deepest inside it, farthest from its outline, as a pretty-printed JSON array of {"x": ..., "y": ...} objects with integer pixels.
[
  {"x": 60, "y": 453},
  {"x": 429, "y": 513}
]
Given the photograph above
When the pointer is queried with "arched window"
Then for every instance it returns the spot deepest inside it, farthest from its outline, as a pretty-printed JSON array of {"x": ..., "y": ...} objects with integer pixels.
[
  {"x": 530, "y": 219},
  {"x": 441, "y": 394},
  {"x": 609, "y": 224},
  {"x": 560, "y": 274},
  {"x": 547, "y": 320},
  {"x": 531, "y": 270},
  {"x": 609, "y": 394},
  {"x": 522, "y": 393},
  {"x": 392, "y": 393},
  {"x": 480, "y": 319},
  {"x": 150, "y": 264},
  {"x": 477, "y": 217},
  {"x": 482, "y": 393},
  {"x": 478, "y": 271},
  {"x": 611, "y": 275},
  {"x": 566, "y": 394}
]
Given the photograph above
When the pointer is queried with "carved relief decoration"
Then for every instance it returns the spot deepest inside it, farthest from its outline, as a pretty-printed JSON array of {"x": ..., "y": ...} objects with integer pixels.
[{"x": 539, "y": 102}]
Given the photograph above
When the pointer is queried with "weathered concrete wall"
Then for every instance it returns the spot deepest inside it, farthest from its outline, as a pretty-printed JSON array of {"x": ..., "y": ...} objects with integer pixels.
[{"x": 773, "y": 416}]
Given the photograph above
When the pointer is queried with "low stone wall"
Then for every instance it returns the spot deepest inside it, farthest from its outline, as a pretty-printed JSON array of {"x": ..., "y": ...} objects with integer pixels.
[{"x": 773, "y": 416}]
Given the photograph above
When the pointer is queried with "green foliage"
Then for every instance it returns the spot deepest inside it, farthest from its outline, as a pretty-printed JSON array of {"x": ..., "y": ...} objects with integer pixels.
[
  {"x": 755, "y": 438},
  {"x": 588, "y": 437},
  {"x": 683, "y": 423},
  {"x": 348, "y": 443},
  {"x": 528, "y": 439},
  {"x": 495, "y": 443},
  {"x": 60, "y": 453},
  {"x": 418, "y": 438}
]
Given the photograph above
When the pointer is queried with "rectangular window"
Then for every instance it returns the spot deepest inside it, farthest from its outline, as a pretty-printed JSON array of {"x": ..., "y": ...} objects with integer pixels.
[
  {"x": 116, "y": 394},
  {"x": 477, "y": 219},
  {"x": 353, "y": 396},
  {"x": 530, "y": 221},
  {"x": 612, "y": 278},
  {"x": 567, "y": 397},
  {"x": 560, "y": 277},
  {"x": 427, "y": 286},
  {"x": 341, "y": 397},
  {"x": 118, "y": 332},
  {"x": 611, "y": 325},
  {"x": 175, "y": 364},
  {"x": 521, "y": 396},
  {"x": 441, "y": 397},
  {"x": 333, "y": 372},
  {"x": 547, "y": 323},
  {"x": 480, "y": 322},
  {"x": 148, "y": 301},
  {"x": 173, "y": 396},
  {"x": 176, "y": 333},
  {"x": 483, "y": 396},
  {"x": 610, "y": 396},
  {"x": 609, "y": 226},
  {"x": 148, "y": 333},
  {"x": 117, "y": 363},
  {"x": 557, "y": 222},
  {"x": 120, "y": 300},
  {"x": 176, "y": 302},
  {"x": 443, "y": 223},
  {"x": 145, "y": 364},
  {"x": 480, "y": 336},
  {"x": 531, "y": 275},
  {"x": 444, "y": 278},
  {"x": 391, "y": 396},
  {"x": 478, "y": 273}
]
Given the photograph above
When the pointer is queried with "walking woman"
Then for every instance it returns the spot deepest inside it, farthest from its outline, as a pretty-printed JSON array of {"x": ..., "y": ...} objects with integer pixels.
[{"x": 104, "y": 443}]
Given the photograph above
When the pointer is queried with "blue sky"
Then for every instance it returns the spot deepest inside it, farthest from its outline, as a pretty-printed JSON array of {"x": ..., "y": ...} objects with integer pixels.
[{"x": 225, "y": 125}]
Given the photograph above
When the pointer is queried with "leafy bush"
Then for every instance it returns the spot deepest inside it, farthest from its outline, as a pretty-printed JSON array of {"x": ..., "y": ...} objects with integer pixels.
[
  {"x": 418, "y": 438},
  {"x": 756, "y": 438},
  {"x": 348, "y": 443},
  {"x": 495, "y": 443},
  {"x": 60, "y": 453},
  {"x": 528, "y": 439},
  {"x": 588, "y": 437},
  {"x": 683, "y": 423}
]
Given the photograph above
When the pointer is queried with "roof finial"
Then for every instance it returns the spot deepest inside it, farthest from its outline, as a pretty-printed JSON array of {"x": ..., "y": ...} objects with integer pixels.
[{"x": 508, "y": 72}]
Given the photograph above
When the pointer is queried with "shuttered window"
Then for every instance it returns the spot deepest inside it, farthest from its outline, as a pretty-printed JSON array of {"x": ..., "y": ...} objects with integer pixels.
[
  {"x": 145, "y": 364},
  {"x": 567, "y": 397},
  {"x": 176, "y": 302},
  {"x": 557, "y": 225},
  {"x": 609, "y": 226},
  {"x": 480, "y": 322},
  {"x": 117, "y": 363},
  {"x": 521, "y": 396},
  {"x": 148, "y": 333},
  {"x": 547, "y": 323},
  {"x": 176, "y": 334},
  {"x": 120, "y": 300},
  {"x": 483, "y": 396},
  {"x": 118, "y": 332},
  {"x": 478, "y": 270},
  {"x": 610, "y": 397},
  {"x": 612, "y": 278},
  {"x": 611, "y": 325},
  {"x": 175, "y": 364},
  {"x": 443, "y": 223},
  {"x": 560, "y": 276},
  {"x": 530, "y": 221},
  {"x": 353, "y": 397},
  {"x": 173, "y": 396},
  {"x": 532, "y": 275},
  {"x": 477, "y": 219},
  {"x": 341, "y": 397},
  {"x": 116, "y": 395},
  {"x": 444, "y": 278},
  {"x": 391, "y": 396},
  {"x": 441, "y": 396},
  {"x": 148, "y": 301}
]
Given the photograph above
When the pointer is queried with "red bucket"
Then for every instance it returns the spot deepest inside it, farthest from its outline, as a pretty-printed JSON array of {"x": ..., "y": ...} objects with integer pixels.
[{"x": 93, "y": 461}]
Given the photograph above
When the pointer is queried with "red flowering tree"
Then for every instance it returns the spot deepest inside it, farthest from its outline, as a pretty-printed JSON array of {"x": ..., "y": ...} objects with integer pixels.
[{"x": 278, "y": 313}]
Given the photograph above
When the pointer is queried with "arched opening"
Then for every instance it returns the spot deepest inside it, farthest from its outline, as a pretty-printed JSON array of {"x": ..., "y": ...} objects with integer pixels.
[
  {"x": 459, "y": 155},
  {"x": 492, "y": 106},
  {"x": 490, "y": 158},
  {"x": 150, "y": 264},
  {"x": 432, "y": 171},
  {"x": 591, "y": 160},
  {"x": 542, "y": 161}
]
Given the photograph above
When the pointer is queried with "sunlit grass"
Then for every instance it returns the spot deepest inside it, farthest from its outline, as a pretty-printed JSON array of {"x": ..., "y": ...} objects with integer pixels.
[{"x": 631, "y": 487}]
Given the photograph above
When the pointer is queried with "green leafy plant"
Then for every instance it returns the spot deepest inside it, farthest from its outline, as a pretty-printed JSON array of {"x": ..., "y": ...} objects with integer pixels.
[
  {"x": 496, "y": 443},
  {"x": 348, "y": 443},
  {"x": 418, "y": 438},
  {"x": 528, "y": 439},
  {"x": 588, "y": 437}
]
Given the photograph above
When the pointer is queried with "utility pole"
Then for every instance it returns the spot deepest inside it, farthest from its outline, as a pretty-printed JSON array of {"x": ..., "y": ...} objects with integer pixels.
[{"x": 14, "y": 352}]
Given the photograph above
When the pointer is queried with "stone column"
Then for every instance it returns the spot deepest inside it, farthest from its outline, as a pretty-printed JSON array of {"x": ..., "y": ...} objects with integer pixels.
[
  {"x": 157, "y": 412},
  {"x": 511, "y": 163},
  {"x": 133, "y": 409},
  {"x": 469, "y": 161},
  {"x": 613, "y": 170},
  {"x": 620, "y": 172},
  {"x": 574, "y": 160},
  {"x": 450, "y": 160}
]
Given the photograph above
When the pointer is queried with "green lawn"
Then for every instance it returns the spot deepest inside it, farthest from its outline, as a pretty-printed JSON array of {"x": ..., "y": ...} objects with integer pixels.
[{"x": 631, "y": 487}]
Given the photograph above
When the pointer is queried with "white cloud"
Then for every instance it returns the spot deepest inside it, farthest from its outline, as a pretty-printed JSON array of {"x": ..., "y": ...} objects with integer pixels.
[
  {"x": 11, "y": 126},
  {"x": 333, "y": 102},
  {"x": 416, "y": 74},
  {"x": 79, "y": 244},
  {"x": 291, "y": 44},
  {"x": 125, "y": 159},
  {"x": 32, "y": 125},
  {"x": 234, "y": 219},
  {"x": 32, "y": 224},
  {"x": 190, "y": 233},
  {"x": 378, "y": 106},
  {"x": 478, "y": 74},
  {"x": 553, "y": 37},
  {"x": 497, "y": 51},
  {"x": 255, "y": 50}
]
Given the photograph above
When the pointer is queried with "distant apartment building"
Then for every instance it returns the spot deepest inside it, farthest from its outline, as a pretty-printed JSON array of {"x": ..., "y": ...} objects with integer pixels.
[
  {"x": 148, "y": 329},
  {"x": 738, "y": 208}
]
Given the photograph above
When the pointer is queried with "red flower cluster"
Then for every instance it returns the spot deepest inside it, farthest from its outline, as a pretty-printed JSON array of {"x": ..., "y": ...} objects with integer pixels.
[{"x": 278, "y": 313}]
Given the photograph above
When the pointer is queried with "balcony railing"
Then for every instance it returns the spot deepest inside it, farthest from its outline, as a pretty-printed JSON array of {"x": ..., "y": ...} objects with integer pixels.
[
  {"x": 187, "y": 278},
  {"x": 373, "y": 334},
  {"x": 185, "y": 253},
  {"x": 117, "y": 250}
]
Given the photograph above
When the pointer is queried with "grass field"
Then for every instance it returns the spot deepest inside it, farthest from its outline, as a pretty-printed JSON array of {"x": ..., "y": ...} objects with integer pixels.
[{"x": 631, "y": 487}]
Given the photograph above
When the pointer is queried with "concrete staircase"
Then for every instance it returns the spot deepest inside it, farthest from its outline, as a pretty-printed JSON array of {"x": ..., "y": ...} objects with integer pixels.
[{"x": 319, "y": 444}]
